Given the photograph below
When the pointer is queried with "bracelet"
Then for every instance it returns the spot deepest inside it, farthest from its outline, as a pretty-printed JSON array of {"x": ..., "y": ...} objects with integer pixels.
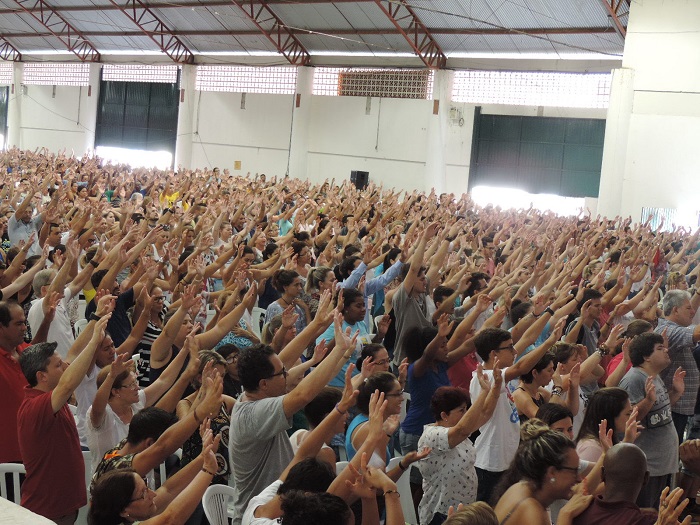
[
  {"x": 194, "y": 413},
  {"x": 402, "y": 467},
  {"x": 347, "y": 356},
  {"x": 557, "y": 391},
  {"x": 94, "y": 263},
  {"x": 391, "y": 492},
  {"x": 208, "y": 471},
  {"x": 549, "y": 311},
  {"x": 340, "y": 411},
  {"x": 94, "y": 317}
]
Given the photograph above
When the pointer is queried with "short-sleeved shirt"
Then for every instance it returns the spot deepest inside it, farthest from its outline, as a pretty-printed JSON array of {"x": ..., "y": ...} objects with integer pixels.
[
  {"x": 449, "y": 477},
  {"x": 658, "y": 440},
  {"x": 21, "y": 231},
  {"x": 12, "y": 384},
  {"x": 48, "y": 441},
  {"x": 261, "y": 499},
  {"x": 500, "y": 435},
  {"x": 618, "y": 512},
  {"x": 422, "y": 389},
  {"x": 112, "y": 461},
  {"x": 680, "y": 348},
  {"x": 60, "y": 329},
  {"x": 259, "y": 449},
  {"x": 409, "y": 312}
]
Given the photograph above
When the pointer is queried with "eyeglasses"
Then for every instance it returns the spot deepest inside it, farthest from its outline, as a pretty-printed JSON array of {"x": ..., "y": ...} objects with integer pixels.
[
  {"x": 572, "y": 469},
  {"x": 230, "y": 359},
  {"x": 509, "y": 347},
  {"x": 282, "y": 372},
  {"x": 381, "y": 362},
  {"x": 395, "y": 394},
  {"x": 133, "y": 385},
  {"x": 144, "y": 494}
]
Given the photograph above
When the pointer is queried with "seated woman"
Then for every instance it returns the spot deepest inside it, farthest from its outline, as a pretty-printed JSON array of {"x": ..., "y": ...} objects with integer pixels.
[
  {"x": 289, "y": 285},
  {"x": 611, "y": 404},
  {"x": 545, "y": 468},
  {"x": 122, "y": 496},
  {"x": 449, "y": 476}
]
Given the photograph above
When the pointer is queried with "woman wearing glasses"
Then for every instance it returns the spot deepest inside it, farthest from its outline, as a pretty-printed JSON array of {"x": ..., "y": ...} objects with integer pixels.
[
  {"x": 545, "y": 468},
  {"x": 122, "y": 496}
]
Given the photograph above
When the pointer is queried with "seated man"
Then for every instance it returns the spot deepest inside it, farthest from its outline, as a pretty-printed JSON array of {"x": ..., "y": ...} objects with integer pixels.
[{"x": 624, "y": 474}]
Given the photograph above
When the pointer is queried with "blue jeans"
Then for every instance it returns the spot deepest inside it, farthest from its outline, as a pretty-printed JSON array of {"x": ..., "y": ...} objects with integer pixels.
[{"x": 409, "y": 443}]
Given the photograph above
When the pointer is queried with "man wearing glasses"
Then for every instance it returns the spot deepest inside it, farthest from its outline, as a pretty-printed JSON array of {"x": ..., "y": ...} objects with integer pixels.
[{"x": 259, "y": 448}]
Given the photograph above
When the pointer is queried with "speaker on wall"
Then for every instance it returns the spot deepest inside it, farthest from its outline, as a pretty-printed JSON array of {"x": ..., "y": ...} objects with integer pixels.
[{"x": 360, "y": 179}]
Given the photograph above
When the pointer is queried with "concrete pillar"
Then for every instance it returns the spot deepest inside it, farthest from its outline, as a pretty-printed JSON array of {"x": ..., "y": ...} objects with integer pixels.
[
  {"x": 301, "y": 114},
  {"x": 14, "y": 107},
  {"x": 436, "y": 158},
  {"x": 657, "y": 95},
  {"x": 89, "y": 101},
  {"x": 185, "y": 117}
]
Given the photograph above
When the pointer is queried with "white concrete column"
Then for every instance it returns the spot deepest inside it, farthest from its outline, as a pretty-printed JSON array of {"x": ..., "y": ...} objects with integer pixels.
[
  {"x": 14, "y": 107},
  {"x": 617, "y": 127},
  {"x": 301, "y": 114},
  {"x": 436, "y": 154},
  {"x": 185, "y": 117},
  {"x": 89, "y": 101}
]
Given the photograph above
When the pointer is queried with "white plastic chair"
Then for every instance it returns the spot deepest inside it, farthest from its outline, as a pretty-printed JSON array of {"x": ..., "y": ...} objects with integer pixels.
[
  {"x": 79, "y": 325},
  {"x": 340, "y": 466},
  {"x": 15, "y": 469},
  {"x": 257, "y": 313},
  {"x": 215, "y": 503},
  {"x": 403, "y": 485}
]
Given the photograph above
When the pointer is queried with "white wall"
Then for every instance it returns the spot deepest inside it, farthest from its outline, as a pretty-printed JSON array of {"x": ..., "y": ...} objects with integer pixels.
[{"x": 651, "y": 149}]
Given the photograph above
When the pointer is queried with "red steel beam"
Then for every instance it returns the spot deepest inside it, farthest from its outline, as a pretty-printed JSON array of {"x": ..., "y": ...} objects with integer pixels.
[
  {"x": 8, "y": 51},
  {"x": 61, "y": 29},
  {"x": 416, "y": 34},
  {"x": 342, "y": 32},
  {"x": 616, "y": 10},
  {"x": 156, "y": 30},
  {"x": 276, "y": 31}
]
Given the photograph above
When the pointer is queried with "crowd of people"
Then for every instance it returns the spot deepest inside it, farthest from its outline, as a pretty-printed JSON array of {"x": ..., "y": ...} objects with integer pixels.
[{"x": 523, "y": 367}]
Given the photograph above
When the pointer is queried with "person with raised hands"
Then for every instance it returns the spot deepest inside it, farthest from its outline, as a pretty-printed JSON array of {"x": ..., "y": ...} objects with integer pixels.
[
  {"x": 259, "y": 448},
  {"x": 124, "y": 496},
  {"x": 48, "y": 436}
]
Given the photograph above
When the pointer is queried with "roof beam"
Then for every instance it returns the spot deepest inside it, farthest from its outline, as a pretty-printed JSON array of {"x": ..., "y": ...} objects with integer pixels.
[
  {"x": 342, "y": 32},
  {"x": 276, "y": 31},
  {"x": 416, "y": 34},
  {"x": 8, "y": 51},
  {"x": 141, "y": 15},
  {"x": 616, "y": 10},
  {"x": 61, "y": 29}
]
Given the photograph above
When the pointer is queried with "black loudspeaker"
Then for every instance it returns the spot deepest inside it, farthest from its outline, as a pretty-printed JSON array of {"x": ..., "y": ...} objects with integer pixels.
[{"x": 360, "y": 179}]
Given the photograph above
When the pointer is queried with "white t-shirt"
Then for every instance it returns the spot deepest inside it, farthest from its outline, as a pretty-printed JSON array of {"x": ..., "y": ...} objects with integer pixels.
[
  {"x": 500, "y": 435},
  {"x": 264, "y": 497},
  {"x": 85, "y": 395},
  {"x": 299, "y": 436},
  {"x": 60, "y": 330},
  {"x": 111, "y": 432}
]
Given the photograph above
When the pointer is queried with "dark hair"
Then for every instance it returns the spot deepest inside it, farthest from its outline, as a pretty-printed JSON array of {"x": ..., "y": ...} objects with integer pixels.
[
  {"x": 309, "y": 475},
  {"x": 322, "y": 405},
  {"x": 346, "y": 267},
  {"x": 368, "y": 350},
  {"x": 254, "y": 364},
  {"x": 589, "y": 294},
  {"x": 350, "y": 295},
  {"x": 283, "y": 278},
  {"x": 606, "y": 403},
  {"x": 447, "y": 398},
  {"x": 150, "y": 422},
  {"x": 490, "y": 339},
  {"x": 643, "y": 346},
  {"x": 314, "y": 509},
  {"x": 393, "y": 253},
  {"x": 298, "y": 246},
  {"x": 382, "y": 381},
  {"x": 96, "y": 278},
  {"x": 563, "y": 351},
  {"x": 416, "y": 341},
  {"x": 441, "y": 293},
  {"x": 111, "y": 494},
  {"x": 5, "y": 311},
  {"x": 543, "y": 363},
  {"x": 269, "y": 250},
  {"x": 226, "y": 350},
  {"x": 519, "y": 311},
  {"x": 35, "y": 359},
  {"x": 550, "y": 413},
  {"x": 637, "y": 327}
]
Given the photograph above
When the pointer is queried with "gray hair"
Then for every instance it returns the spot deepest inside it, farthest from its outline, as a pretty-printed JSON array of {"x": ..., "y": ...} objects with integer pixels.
[
  {"x": 35, "y": 359},
  {"x": 42, "y": 278},
  {"x": 675, "y": 299}
]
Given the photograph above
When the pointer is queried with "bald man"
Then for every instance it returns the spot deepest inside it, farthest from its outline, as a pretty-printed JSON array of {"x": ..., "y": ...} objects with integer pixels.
[{"x": 624, "y": 473}]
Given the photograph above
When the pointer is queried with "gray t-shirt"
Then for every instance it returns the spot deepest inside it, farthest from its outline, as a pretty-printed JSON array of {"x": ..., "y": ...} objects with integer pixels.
[
  {"x": 259, "y": 449},
  {"x": 409, "y": 312},
  {"x": 658, "y": 440}
]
